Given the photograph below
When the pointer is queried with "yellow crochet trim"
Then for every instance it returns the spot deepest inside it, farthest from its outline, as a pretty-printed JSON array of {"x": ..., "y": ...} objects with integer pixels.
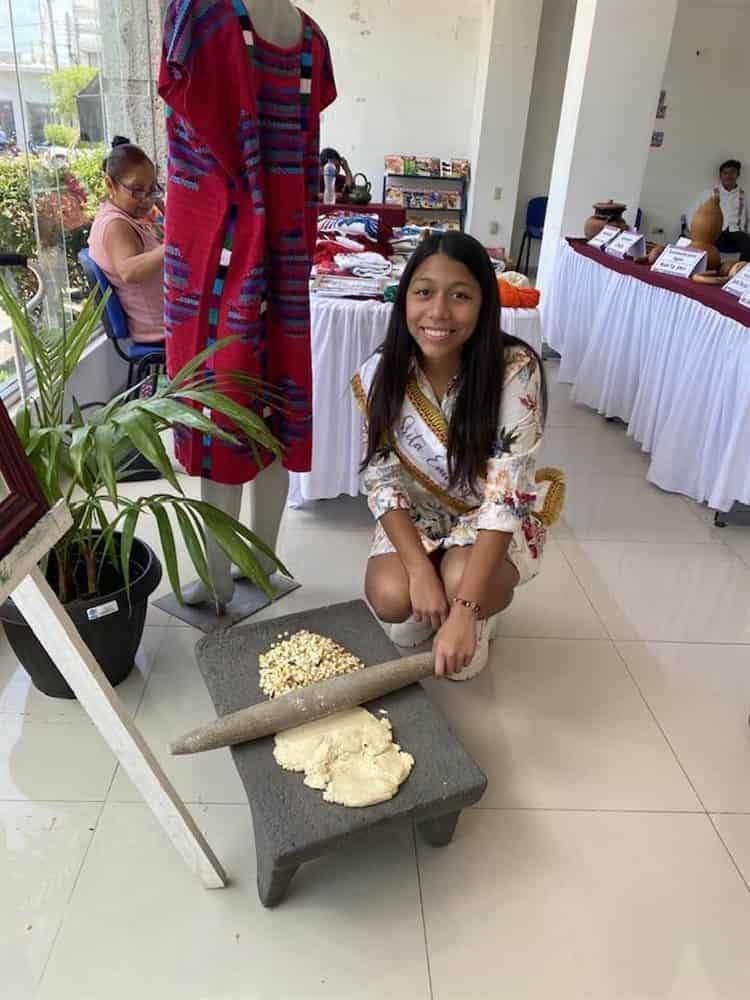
[
  {"x": 359, "y": 393},
  {"x": 431, "y": 414},
  {"x": 555, "y": 499}
]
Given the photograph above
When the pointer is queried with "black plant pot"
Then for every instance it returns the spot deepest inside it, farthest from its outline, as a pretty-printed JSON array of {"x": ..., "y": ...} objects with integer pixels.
[{"x": 110, "y": 626}]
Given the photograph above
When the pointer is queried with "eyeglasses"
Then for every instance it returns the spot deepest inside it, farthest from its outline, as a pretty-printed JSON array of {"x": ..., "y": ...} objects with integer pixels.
[{"x": 140, "y": 194}]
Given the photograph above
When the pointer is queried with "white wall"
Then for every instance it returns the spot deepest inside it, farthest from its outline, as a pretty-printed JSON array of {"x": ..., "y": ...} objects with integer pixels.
[
  {"x": 708, "y": 116},
  {"x": 550, "y": 69},
  {"x": 510, "y": 35},
  {"x": 405, "y": 71},
  {"x": 617, "y": 59}
]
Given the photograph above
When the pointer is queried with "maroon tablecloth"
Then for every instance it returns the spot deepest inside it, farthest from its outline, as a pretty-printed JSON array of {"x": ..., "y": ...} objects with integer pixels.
[{"x": 712, "y": 296}]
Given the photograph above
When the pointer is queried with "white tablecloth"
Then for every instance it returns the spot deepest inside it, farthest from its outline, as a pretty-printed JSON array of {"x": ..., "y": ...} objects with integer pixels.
[
  {"x": 675, "y": 370},
  {"x": 344, "y": 334}
]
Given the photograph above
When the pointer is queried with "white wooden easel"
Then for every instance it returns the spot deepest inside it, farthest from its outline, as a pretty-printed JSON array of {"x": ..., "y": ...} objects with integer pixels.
[{"x": 21, "y": 577}]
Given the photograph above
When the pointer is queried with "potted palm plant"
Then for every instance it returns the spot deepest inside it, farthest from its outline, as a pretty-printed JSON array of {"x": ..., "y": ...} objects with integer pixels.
[{"x": 100, "y": 570}]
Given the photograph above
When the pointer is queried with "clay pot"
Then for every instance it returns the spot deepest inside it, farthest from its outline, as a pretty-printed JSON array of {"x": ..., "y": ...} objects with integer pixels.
[
  {"x": 606, "y": 213},
  {"x": 704, "y": 231},
  {"x": 654, "y": 254},
  {"x": 736, "y": 268}
]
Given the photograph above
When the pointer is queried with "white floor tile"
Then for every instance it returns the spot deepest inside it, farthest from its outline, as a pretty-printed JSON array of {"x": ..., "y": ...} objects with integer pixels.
[
  {"x": 44, "y": 761},
  {"x": 562, "y": 412},
  {"x": 49, "y": 748},
  {"x": 663, "y": 591},
  {"x": 585, "y": 905},
  {"x": 175, "y": 701},
  {"x": 42, "y": 847},
  {"x": 552, "y": 604},
  {"x": 140, "y": 925},
  {"x": 701, "y": 696},
  {"x": 735, "y": 832},
  {"x": 626, "y": 508},
  {"x": 738, "y": 541},
  {"x": 559, "y": 724},
  {"x": 602, "y": 447},
  {"x": 587, "y": 872},
  {"x": 18, "y": 696}
]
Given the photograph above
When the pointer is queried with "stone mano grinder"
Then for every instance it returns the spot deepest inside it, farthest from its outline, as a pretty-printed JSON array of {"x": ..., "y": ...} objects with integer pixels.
[{"x": 306, "y": 704}]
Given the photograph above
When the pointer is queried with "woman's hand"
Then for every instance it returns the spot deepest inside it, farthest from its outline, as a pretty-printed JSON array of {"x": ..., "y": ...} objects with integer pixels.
[
  {"x": 427, "y": 595},
  {"x": 456, "y": 641}
]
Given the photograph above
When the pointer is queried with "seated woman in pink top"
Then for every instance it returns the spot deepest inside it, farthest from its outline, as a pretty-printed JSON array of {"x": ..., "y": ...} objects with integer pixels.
[{"x": 124, "y": 243}]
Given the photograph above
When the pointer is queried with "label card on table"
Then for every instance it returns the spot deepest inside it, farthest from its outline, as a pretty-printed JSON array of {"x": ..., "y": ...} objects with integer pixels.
[
  {"x": 681, "y": 262},
  {"x": 627, "y": 244},
  {"x": 739, "y": 285},
  {"x": 604, "y": 237}
]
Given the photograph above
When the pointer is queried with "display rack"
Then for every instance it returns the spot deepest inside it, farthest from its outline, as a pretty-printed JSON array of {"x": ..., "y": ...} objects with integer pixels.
[{"x": 414, "y": 188}]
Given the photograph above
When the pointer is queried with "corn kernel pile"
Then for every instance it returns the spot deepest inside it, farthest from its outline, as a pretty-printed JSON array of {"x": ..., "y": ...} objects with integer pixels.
[{"x": 301, "y": 659}]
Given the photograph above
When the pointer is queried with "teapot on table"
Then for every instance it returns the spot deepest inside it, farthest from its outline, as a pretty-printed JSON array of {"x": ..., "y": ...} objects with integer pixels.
[{"x": 360, "y": 193}]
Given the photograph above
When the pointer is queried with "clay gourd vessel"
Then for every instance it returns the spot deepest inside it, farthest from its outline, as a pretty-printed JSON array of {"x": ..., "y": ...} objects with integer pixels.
[
  {"x": 606, "y": 213},
  {"x": 705, "y": 229}
]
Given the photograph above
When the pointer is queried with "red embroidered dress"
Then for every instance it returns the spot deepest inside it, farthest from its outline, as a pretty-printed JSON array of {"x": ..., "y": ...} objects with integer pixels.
[{"x": 243, "y": 133}]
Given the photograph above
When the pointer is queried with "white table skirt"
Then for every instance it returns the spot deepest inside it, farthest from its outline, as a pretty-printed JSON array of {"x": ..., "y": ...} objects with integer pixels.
[
  {"x": 345, "y": 333},
  {"x": 676, "y": 371}
]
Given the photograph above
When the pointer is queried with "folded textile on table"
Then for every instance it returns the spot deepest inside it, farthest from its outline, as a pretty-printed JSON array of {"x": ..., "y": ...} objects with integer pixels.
[
  {"x": 368, "y": 230},
  {"x": 364, "y": 265},
  {"x": 513, "y": 297},
  {"x": 367, "y": 225},
  {"x": 347, "y": 286}
]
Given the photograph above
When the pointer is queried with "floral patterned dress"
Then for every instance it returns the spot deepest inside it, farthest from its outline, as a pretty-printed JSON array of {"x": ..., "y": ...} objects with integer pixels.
[{"x": 508, "y": 500}]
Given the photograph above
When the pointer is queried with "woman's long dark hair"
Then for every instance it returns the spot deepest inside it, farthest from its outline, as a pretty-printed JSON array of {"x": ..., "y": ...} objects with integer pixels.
[{"x": 472, "y": 433}]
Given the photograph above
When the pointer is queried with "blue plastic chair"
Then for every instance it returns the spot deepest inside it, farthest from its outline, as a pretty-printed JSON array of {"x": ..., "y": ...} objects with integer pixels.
[
  {"x": 140, "y": 357},
  {"x": 536, "y": 210}
]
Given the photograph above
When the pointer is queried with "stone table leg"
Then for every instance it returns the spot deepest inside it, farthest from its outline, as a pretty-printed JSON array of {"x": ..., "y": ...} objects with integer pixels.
[
  {"x": 439, "y": 831},
  {"x": 273, "y": 881}
]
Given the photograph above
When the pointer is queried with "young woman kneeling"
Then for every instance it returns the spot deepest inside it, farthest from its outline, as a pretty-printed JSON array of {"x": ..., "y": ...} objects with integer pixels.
[{"x": 455, "y": 413}]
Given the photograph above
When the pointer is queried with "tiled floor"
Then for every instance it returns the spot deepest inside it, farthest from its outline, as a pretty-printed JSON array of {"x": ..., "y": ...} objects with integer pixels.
[{"x": 609, "y": 859}]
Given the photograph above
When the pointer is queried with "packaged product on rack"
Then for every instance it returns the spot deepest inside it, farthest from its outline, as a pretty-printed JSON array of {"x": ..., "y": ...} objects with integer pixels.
[
  {"x": 427, "y": 166},
  {"x": 394, "y": 164}
]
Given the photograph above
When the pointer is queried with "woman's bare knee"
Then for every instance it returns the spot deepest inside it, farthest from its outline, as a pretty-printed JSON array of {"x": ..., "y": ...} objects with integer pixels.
[
  {"x": 389, "y": 605},
  {"x": 452, "y": 569},
  {"x": 387, "y": 589}
]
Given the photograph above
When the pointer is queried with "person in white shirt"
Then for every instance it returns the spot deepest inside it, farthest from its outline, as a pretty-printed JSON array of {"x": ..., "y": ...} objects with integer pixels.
[{"x": 734, "y": 237}]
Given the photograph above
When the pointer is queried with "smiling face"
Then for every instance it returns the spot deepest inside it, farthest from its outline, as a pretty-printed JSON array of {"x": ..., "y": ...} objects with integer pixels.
[{"x": 443, "y": 302}]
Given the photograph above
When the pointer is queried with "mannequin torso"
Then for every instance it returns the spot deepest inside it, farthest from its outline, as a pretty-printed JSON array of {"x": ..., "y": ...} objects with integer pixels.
[{"x": 276, "y": 21}]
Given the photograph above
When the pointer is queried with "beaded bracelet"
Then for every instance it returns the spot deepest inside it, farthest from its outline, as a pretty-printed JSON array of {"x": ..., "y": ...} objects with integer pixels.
[{"x": 471, "y": 605}]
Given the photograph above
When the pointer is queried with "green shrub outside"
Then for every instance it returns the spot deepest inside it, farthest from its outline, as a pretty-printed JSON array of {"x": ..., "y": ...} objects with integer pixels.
[
  {"x": 16, "y": 216},
  {"x": 61, "y": 135}
]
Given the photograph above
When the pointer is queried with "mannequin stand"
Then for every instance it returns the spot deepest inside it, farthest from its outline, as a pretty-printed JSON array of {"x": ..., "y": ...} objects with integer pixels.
[
  {"x": 236, "y": 597},
  {"x": 247, "y": 600}
]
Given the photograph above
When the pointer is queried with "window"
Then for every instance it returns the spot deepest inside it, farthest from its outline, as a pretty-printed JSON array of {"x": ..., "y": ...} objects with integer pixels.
[
  {"x": 37, "y": 116},
  {"x": 73, "y": 73}
]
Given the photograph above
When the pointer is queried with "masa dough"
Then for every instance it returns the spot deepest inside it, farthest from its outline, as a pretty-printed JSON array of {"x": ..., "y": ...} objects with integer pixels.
[{"x": 350, "y": 756}]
